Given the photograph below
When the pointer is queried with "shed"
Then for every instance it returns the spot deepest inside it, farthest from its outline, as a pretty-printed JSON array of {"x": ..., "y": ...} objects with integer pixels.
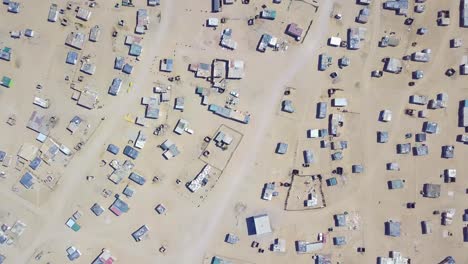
[
  {"x": 130, "y": 152},
  {"x": 334, "y": 41},
  {"x": 357, "y": 168},
  {"x": 404, "y": 148},
  {"x": 392, "y": 228},
  {"x": 94, "y": 33},
  {"x": 135, "y": 49},
  {"x": 113, "y": 149},
  {"x": 27, "y": 180},
  {"x": 281, "y": 148},
  {"x": 385, "y": 116},
  {"x": 179, "y": 103},
  {"x": 339, "y": 102},
  {"x": 231, "y": 239},
  {"x": 421, "y": 150},
  {"x": 382, "y": 136},
  {"x": 127, "y": 68},
  {"x": 340, "y": 219},
  {"x": 339, "y": 241},
  {"x": 7, "y": 81},
  {"x": 115, "y": 86},
  {"x": 140, "y": 232},
  {"x": 287, "y": 106},
  {"x": 72, "y": 57},
  {"x": 431, "y": 190},
  {"x": 430, "y": 127},
  {"x": 321, "y": 110},
  {"x": 448, "y": 151},
  {"x": 308, "y": 157},
  {"x": 166, "y": 65},
  {"x": 395, "y": 184},
  {"x": 216, "y": 6},
  {"x": 97, "y": 209}
]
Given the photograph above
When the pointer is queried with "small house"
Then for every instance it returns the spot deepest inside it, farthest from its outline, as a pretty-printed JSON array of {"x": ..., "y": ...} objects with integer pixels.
[
  {"x": 262, "y": 224},
  {"x": 75, "y": 40},
  {"x": 393, "y": 65},
  {"x": 294, "y": 31},
  {"x": 166, "y": 65}
]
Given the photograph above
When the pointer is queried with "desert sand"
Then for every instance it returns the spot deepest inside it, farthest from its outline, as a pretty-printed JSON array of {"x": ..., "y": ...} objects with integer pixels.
[{"x": 195, "y": 225}]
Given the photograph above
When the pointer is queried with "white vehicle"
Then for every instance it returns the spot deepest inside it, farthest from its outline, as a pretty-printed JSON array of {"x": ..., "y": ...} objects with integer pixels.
[
  {"x": 189, "y": 130},
  {"x": 44, "y": 103}
]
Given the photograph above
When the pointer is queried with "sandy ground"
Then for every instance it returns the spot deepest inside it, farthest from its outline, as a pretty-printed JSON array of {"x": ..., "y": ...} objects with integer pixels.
[{"x": 195, "y": 225}]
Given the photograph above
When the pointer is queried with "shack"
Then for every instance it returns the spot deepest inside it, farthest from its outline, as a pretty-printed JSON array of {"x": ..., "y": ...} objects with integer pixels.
[
  {"x": 392, "y": 228},
  {"x": 431, "y": 190}
]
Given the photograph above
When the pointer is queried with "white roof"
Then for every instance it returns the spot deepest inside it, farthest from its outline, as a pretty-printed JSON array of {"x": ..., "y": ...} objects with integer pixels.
[
  {"x": 262, "y": 224},
  {"x": 335, "y": 41}
]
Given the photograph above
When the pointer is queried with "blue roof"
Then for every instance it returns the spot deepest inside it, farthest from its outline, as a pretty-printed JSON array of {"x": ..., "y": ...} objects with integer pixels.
[
  {"x": 2, "y": 155},
  {"x": 113, "y": 149},
  {"x": 27, "y": 180},
  {"x": 137, "y": 178},
  {"x": 127, "y": 68},
  {"x": 35, "y": 163},
  {"x": 72, "y": 57},
  {"x": 130, "y": 152}
]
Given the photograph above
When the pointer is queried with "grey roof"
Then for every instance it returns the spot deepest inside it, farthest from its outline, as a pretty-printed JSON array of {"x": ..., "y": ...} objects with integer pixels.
[
  {"x": 395, "y": 184},
  {"x": 115, "y": 86},
  {"x": 137, "y": 178},
  {"x": 339, "y": 241},
  {"x": 340, "y": 219},
  {"x": 97, "y": 209},
  {"x": 421, "y": 150},
  {"x": 140, "y": 232},
  {"x": 448, "y": 151},
  {"x": 431, "y": 190},
  {"x": 382, "y": 136},
  {"x": 404, "y": 148},
  {"x": 281, "y": 148},
  {"x": 287, "y": 106},
  {"x": 392, "y": 228},
  {"x": 430, "y": 127}
]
